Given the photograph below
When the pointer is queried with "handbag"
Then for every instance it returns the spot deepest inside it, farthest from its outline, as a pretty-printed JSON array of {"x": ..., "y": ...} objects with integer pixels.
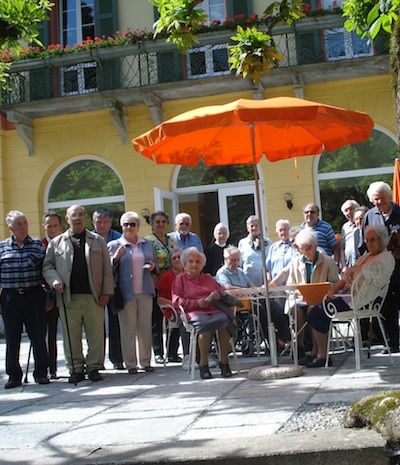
[{"x": 116, "y": 301}]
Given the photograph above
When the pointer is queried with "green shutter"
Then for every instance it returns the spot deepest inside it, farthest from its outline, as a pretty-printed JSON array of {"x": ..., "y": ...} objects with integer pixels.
[
  {"x": 40, "y": 80},
  {"x": 238, "y": 7},
  {"x": 168, "y": 63},
  {"x": 106, "y": 23}
]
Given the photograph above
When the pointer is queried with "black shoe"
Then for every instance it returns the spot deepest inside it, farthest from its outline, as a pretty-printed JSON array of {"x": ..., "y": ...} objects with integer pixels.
[
  {"x": 42, "y": 380},
  {"x": 225, "y": 370},
  {"x": 76, "y": 377},
  {"x": 318, "y": 363},
  {"x": 12, "y": 383},
  {"x": 119, "y": 366},
  {"x": 53, "y": 376},
  {"x": 306, "y": 359},
  {"x": 175, "y": 359},
  {"x": 94, "y": 375},
  {"x": 205, "y": 372},
  {"x": 149, "y": 369},
  {"x": 159, "y": 359},
  {"x": 133, "y": 371}
]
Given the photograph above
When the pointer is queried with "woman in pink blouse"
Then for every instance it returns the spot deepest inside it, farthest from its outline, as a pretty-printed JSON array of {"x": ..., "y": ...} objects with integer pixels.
[{"x": 196, "y": 292}]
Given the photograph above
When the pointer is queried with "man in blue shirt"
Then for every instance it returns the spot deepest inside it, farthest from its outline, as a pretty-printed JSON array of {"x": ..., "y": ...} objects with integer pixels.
[
  {"x": 323, "y": 230},
  {"x": 102, "y": 221},
  {"x": 231, "y": 276},
  {"x": 22, "y": 298},
  {"x": 280, "y": 252},
  {"x": 182, "y": 234}
]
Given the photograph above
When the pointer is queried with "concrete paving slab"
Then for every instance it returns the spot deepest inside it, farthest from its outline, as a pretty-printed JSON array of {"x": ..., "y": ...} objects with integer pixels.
[{"x": 166, "y": 416}]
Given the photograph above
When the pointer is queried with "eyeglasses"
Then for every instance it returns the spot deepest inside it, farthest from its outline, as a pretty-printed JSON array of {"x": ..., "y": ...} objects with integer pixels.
[
  {"x": 310, "y": 212},
  {"x": 131, "y": 225},
  {"x": 307, "y": 248}
]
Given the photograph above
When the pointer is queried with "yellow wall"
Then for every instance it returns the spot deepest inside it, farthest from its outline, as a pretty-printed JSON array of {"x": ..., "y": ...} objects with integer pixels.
[{"x": 62, "y": 138}]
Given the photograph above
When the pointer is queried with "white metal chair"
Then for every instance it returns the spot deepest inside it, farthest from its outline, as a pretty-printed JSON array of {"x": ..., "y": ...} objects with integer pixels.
[
  {"x": 171, "y": 323},
  {"x": 193, "y": 342},
  {"x": 366, "y": 298}
]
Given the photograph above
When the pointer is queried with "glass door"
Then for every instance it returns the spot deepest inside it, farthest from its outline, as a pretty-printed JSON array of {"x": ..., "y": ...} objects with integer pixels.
[{"x": 236, "y": 204}]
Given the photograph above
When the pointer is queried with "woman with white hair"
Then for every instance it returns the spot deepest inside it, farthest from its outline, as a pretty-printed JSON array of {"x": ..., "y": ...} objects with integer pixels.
[
  {"x": 378, "y": 263},
  {"x": 214, "y": 252},
  {"x": 387, "y": 213},
  {"x": 133, "y": 261},
  {"x": 309, "y": 266},
  {"x": 197, "y": 292}
]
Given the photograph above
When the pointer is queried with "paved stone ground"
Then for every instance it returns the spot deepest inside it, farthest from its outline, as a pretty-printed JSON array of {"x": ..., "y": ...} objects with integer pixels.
[{"x": 165, "y": 415}]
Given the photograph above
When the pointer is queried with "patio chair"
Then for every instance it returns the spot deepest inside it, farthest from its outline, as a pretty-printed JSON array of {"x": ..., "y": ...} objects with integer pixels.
[
  {"x": 193, "y": 342},
  {"x": 366, "y": 298},
  {"x": 171, "y": 319}
]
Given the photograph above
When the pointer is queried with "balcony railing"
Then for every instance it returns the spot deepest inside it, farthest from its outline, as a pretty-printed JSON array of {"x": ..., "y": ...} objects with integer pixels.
[{"x": 309, "y": 41}]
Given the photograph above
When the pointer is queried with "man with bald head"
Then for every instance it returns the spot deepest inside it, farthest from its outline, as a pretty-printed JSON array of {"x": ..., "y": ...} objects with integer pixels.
[
  {"x": 322, "y": 229},
  {"x": 77, "y": 266}
]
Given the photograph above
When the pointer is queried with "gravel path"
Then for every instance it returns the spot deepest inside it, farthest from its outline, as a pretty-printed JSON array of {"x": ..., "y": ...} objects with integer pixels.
[{"x": 316, "y": 417}]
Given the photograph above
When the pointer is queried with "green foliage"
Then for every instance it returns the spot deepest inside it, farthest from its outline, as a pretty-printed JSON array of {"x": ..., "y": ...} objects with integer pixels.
[
  {"x": 371, "y": 17},
  {"x": 253, "y": 54},
  {"x": 203, "y": 175},
  {"x": 180, "y": 20},
  {"x": 285, "y": 11},
  {"x": 379, "y": 150},
  {"x": 85, "y": 179},
  {"x": 19, "y": 19}
]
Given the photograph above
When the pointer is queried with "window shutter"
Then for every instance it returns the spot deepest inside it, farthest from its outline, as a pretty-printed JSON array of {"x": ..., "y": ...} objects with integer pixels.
[
  {"x": 106, "y": 23},
  {"x": 40, "y": 80},
  {"x": 238, "y": 7},
  {"x": 169, "y": 64}
]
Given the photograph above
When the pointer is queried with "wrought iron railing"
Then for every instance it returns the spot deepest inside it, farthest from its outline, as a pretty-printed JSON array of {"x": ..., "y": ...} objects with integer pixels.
[{"x": 309, "y": 41}]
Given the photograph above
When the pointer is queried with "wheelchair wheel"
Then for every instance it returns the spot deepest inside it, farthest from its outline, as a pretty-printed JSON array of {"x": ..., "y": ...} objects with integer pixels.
[{"x": 247, "y": 348}]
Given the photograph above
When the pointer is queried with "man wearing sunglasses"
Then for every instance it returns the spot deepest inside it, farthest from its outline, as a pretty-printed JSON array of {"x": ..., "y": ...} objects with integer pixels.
[{"x": 77, "y": 266}]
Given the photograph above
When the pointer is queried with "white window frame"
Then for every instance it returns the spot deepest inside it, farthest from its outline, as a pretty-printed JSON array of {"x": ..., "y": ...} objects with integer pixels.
[
  {"x": 79, "y": 68},
  {"x": 208, "y": 52},
  {"x": 348, "y": 46}
]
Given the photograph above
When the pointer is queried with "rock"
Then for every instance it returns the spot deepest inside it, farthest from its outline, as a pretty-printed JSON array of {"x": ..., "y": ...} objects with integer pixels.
[
  {"x": 279, "y": 372},
  {"x": 380, "y": 412}
]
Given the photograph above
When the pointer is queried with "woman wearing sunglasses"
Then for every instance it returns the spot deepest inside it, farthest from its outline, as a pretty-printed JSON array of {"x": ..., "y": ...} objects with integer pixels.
[{"x": 133, "y": 261}]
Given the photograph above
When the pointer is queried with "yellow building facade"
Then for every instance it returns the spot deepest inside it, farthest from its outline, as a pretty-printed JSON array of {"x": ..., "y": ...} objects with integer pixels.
[{"x": 89, "y": 133}]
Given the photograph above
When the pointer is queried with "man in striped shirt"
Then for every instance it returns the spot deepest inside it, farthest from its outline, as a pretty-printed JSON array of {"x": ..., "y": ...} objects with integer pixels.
[{"x": 22, "y": 298}]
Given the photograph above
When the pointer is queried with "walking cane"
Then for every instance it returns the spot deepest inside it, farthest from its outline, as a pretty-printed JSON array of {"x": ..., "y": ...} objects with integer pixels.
[
  {"x": 27, "y": 365},
  {"x": 69, "y": 337}
]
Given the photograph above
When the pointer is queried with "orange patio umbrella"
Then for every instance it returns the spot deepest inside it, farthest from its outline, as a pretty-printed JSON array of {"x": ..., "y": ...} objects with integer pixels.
[
  {"x": 396, "y": 181},
  {"x": 279, "y": 128},
  {"x": 242, "y": 131}
]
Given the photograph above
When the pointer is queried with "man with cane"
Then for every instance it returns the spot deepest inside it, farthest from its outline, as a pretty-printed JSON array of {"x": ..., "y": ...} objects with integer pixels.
[
  {"x": 22, "y": 298},
  {"x": 77, "y": 267}
]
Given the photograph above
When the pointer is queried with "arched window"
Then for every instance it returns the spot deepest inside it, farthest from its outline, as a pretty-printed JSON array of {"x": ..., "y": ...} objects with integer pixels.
[
  {"x": 87, "y": 182},
  {"x": 346, "y": 173}
]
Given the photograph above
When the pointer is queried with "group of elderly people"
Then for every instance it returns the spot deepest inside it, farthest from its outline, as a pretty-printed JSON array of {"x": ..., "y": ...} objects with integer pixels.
[{"x": 153, "y": 271}]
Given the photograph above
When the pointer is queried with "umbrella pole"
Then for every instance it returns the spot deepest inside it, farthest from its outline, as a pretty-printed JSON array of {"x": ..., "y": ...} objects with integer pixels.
[{"x": 271, "y": 326}]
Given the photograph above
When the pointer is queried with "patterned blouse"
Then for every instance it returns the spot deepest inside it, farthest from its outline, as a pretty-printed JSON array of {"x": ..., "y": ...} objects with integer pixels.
[{"x": 162, "y": 251}]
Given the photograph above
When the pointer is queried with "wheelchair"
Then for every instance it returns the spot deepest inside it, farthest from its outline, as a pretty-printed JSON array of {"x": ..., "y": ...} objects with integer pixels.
[{"x": 245, "y": 337}]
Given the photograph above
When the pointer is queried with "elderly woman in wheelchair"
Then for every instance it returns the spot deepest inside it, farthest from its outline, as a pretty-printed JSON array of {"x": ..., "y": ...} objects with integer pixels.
[{"x": 375, "y": 268}]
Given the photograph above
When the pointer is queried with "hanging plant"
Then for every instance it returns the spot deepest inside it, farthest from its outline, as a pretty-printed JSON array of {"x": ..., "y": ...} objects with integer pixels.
[{"x": 254, "y": 54}]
